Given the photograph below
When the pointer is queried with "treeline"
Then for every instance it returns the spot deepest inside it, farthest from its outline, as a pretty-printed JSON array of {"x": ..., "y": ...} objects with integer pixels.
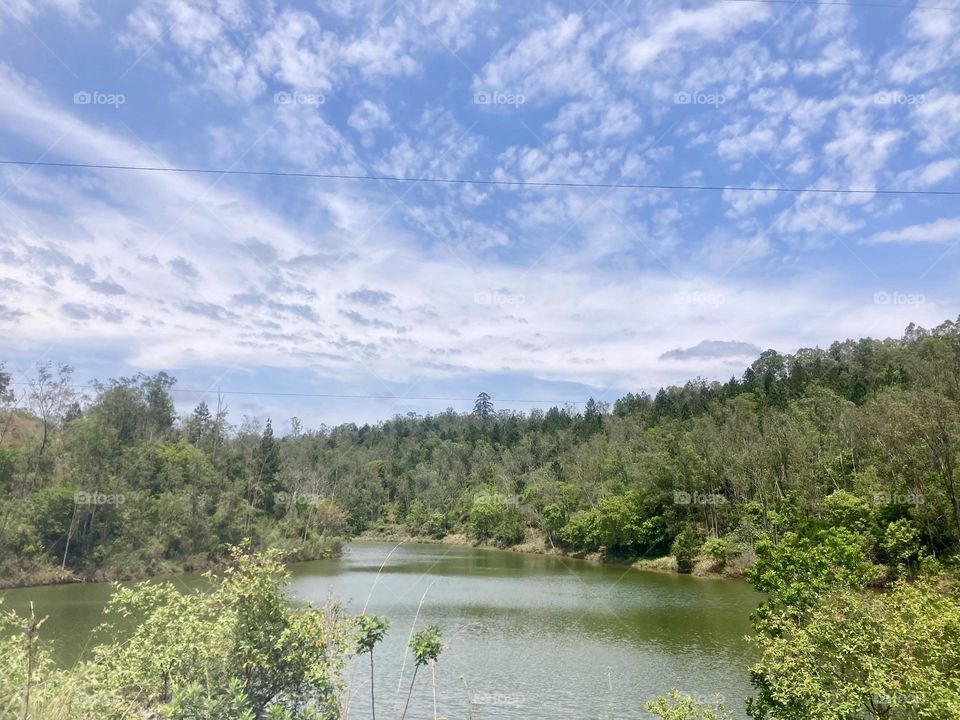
[
  {"x": 113, "y": 484},
  {"x": 864, "y": 432}
]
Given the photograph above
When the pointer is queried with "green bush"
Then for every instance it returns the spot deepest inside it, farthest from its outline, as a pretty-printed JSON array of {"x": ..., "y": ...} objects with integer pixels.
[
  {"x": 493, "y": 518},
  {"x": 235, "y": 652},
  {"x": 436, "y": 526},
  {"x": 685, "y": 547},
  {"x": 720, "y": 550}
]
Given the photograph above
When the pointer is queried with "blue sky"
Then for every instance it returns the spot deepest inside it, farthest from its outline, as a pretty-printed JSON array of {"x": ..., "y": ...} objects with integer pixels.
[{"x": 351, "y": 287}]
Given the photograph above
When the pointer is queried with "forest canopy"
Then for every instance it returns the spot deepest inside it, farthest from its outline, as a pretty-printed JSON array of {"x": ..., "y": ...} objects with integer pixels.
[{"x": 863, "y": 435}]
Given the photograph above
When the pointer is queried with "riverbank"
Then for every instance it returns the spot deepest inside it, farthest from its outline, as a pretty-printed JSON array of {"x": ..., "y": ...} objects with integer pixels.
[
  {"x": 42, "y": 576},
  {"x": 534, "y": 544},
  {"x": 537, "y": 544}
]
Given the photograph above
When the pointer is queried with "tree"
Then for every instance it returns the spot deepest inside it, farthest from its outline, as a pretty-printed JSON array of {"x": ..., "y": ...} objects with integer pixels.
[
  {"x": 888, "y": 656},
  {"x": 50, "y": 397},
  {"x": 160, "y": 408},
  {"x": 267, "y": 465},
  {"x": 426, "y": 646},
  {"x": 370, "y": 631},
  {"x": 492, "y": 517},
  {"x": 483, "y": 407},
  {"x": 236, "y": 651},
  {"x": 593, "y": 414},
  {"x": 797, "y": 571},
  {"x": 685, "y": 547},
  {"x": 199, "y": 425},
  {"x": 243, "y": 634}
]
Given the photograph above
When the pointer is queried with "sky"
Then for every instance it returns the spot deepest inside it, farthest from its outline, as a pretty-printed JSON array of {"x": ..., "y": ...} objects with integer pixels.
[{"x": 275, "y": 284}]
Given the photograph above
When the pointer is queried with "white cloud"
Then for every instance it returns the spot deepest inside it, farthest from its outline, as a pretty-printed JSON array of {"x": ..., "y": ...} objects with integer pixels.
[
  {"x": 688, "y": 29},
  {"x": 836, "y": 56},
  {"x": 237, "y": 49},
  {"x": 931, "y": 174},
  {"x": 27, "y": 11},
  {"x": 188, "y": 271},
  {"x": 944, "y": 230},
  {"x": 553, "y": 60},
  {"x": 368, "y": 116}
]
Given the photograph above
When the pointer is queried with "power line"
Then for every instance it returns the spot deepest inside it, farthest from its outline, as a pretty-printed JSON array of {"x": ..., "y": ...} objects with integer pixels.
[
  {"x": 340, "y": 396},
  {"x": 481, "y": 181}
]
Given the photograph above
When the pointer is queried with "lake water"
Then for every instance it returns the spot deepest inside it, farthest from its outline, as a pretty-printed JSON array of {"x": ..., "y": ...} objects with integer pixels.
[{"x": 526, "y": 636}]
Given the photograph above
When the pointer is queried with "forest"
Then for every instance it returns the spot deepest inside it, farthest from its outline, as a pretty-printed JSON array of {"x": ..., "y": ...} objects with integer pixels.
[
  {"x": 826, "y": 477},
  {"x": 112, "y": 482}
]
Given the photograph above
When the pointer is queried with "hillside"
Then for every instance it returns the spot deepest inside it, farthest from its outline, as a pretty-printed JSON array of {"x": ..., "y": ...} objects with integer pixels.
[{"x": 861, "y": 435}]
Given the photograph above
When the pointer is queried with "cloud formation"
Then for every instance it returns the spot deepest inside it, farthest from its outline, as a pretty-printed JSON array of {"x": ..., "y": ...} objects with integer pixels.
[{"x": 367, "y": 286}]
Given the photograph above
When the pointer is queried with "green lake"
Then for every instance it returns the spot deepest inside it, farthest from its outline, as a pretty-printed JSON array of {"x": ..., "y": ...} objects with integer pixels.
[{"x": 531, "y": 636}]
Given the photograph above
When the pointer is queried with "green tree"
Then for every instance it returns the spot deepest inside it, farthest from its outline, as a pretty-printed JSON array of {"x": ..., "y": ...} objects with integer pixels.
[
  {"x": 685, "y": 547},
  {"x": 370, "y": 631},
  {"x": 483, "y": 407},
  {"x": 267, "y": 466},
  {"x": 189, "y": 648},
  {"x": 888, "y": 656},
  {"x": 426, "y": 646}
]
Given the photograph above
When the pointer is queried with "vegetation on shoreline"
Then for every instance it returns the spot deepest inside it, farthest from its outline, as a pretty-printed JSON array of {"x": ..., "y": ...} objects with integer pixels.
[
  {"x": 116, "y": 485},
  {"x": 238, "y": 651},
  {"x": 830, "y": 475}
]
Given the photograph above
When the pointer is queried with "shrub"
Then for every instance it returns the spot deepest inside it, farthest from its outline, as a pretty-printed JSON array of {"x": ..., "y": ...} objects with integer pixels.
[
  {"x": 720, "y": 550},
  {"x": 236, "y": 652},
  {"x": 493, "y": 518},
  {"x": 684, "y": 548}
]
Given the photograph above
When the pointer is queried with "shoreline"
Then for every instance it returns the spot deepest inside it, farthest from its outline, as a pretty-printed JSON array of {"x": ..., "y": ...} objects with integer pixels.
[
  {"x": 535, "y": 545},
  {"x": 48, "y": 577}
]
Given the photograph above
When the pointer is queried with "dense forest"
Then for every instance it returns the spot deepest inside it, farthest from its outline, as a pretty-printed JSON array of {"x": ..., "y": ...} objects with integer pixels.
[
  {"x": 112, "y": 482},
  {"x": 827, "y": 477}
]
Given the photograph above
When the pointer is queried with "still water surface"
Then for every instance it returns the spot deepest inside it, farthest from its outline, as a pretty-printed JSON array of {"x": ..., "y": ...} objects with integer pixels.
[{"x": 532, "y": 637}]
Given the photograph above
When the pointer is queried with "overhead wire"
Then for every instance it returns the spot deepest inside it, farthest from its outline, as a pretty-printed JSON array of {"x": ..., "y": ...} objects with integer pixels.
[{"x": 481, "y": 181}]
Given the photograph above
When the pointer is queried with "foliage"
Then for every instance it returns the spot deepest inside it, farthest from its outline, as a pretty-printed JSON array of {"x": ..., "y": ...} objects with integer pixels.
[
  {"x": 426, "y": 645},
  {"x": 234, "y": 651},
  {"x": 684, "y": 548},
  {"x": 795, "y": 573},
  {"x": 370, "y": 630},
  {"x": 677, "y": 706},
  {"x": 493, "y": 517},
  {"x": 720, "y": 550},
  {"x": 863, "y": 436},
  {"x": 114, "y": 486},
  {"x": 890, "y": 656}
]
